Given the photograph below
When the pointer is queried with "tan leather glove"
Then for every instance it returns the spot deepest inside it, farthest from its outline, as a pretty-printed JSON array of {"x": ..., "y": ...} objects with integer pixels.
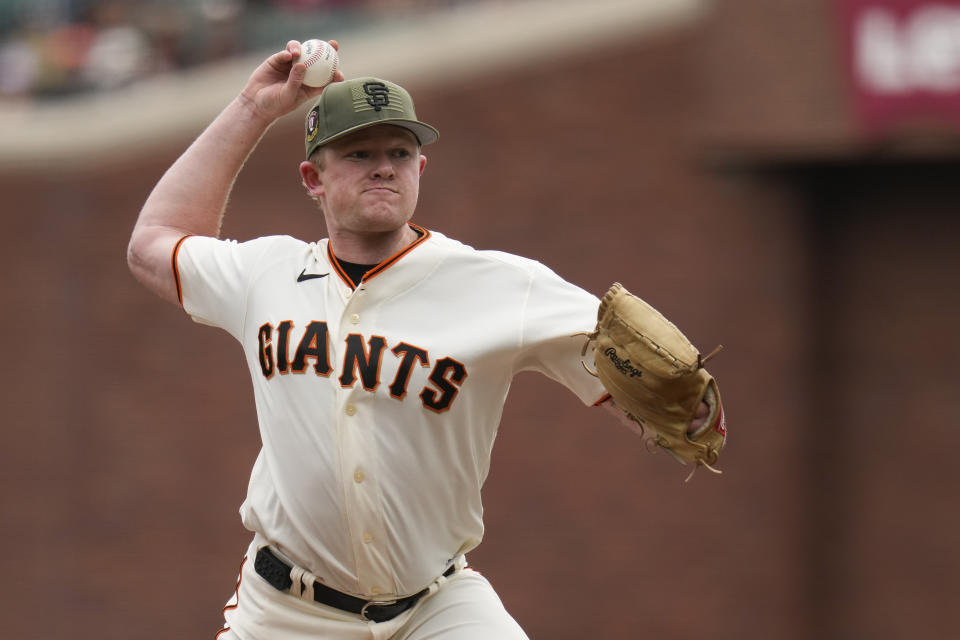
[{"x": 656, "y": 377}]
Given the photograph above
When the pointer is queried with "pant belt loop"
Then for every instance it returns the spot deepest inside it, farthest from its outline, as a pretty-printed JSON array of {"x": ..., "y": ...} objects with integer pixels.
[
  {"x": 308, "y": 590},
  {"x": 296, "y": 577}
]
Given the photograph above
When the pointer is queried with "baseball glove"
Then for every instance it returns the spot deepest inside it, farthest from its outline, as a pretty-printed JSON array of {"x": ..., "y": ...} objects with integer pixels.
[{"x": 656, "y": 377}]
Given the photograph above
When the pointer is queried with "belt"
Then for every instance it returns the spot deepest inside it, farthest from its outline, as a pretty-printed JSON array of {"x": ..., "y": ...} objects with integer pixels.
[{"x": 277, "y": 573}]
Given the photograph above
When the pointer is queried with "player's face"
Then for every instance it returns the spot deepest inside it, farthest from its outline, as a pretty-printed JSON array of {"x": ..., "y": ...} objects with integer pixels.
[{"x": 369, "y": 181}]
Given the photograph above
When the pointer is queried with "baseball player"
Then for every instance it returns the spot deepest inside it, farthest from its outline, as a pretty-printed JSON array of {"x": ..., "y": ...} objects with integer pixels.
[{"x": 380, "y": 356}]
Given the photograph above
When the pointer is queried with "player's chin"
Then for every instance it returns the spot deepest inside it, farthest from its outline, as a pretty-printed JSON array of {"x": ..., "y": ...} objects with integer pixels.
[{"x": 384, "y": 220}]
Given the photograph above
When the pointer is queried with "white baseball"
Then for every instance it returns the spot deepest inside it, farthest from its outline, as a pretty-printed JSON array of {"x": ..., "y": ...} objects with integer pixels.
[{"x": 321, "y": 60}]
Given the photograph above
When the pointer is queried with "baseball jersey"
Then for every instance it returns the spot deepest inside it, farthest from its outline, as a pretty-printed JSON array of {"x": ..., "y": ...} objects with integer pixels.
[{"x": 378, "y": 404}]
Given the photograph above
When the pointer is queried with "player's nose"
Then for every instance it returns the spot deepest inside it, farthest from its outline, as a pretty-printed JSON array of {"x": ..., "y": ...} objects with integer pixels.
[{"x": 383, "y": 167}]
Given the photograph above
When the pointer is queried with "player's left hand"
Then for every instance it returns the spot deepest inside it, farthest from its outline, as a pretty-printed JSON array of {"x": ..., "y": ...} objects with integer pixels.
[
  {"x": 699, "y": 418},
  {"x": 657, "y": 378}
]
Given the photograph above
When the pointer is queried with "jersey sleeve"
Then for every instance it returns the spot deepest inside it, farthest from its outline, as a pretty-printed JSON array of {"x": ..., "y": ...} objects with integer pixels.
[
  {"x": 213, "y": 278},
  {"x": 555, "y": 311}
]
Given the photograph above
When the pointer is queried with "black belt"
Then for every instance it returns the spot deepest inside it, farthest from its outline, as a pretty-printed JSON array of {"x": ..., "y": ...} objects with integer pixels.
[{"x": 277, "y": 572}]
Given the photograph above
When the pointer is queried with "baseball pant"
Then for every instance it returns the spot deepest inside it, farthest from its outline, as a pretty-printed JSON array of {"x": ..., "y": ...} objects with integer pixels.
[{"x": 461, "y": 607}]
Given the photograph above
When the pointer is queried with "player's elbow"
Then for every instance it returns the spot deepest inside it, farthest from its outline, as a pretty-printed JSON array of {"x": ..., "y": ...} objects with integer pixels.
[
  {"x": 136, "y": 261},
  {"x": 149, "y": 260},
  {"x": 132, "y": 256}
]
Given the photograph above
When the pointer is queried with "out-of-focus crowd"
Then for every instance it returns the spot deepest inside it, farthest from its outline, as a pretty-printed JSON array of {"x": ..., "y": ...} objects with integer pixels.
[{"x": 54, "y": 48}]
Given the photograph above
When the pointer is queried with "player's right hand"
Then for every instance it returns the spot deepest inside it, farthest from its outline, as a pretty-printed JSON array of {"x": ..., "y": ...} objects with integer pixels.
[{"x": 276, "y": 87}]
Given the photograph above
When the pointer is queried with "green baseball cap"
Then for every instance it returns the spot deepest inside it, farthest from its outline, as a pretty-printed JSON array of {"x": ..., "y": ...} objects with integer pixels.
[{"x": 358, "y": 103}]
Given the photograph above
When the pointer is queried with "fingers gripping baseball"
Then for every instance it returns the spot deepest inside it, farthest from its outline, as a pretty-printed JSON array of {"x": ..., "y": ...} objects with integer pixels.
[
  {"x": 311, "y": 68},
  {"x": 276, "y": 87}
]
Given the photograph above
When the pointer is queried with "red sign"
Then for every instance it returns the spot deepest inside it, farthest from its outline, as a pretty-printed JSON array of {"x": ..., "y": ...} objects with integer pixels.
[{"x": 903, "y": 58}]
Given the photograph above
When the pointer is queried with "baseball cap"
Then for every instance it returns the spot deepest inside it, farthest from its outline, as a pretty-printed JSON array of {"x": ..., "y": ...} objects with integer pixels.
[{"x": 358, "y": 103}]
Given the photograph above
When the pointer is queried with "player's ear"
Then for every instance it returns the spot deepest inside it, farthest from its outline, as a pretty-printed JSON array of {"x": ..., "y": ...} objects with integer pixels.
[
  {"x": 311, "y": 178},
  {"x": 423, "y": 163}
]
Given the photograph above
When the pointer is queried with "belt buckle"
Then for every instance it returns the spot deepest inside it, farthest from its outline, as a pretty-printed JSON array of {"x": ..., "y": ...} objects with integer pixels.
[{"x": 375, "y": 603}]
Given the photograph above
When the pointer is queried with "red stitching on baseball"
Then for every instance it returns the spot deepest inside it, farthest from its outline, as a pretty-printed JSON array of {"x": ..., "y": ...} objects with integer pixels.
[{"x": 316, "y": 56}]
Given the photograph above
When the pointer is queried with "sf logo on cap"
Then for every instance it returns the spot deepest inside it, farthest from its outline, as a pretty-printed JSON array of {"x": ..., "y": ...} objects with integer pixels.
[{"x": 378, "y": 96}]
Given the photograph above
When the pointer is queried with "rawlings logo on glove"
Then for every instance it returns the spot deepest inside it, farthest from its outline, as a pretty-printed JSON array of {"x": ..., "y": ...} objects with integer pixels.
[
  {"x": 656, "y": 377},
  {"x": 623, "y": 366}
]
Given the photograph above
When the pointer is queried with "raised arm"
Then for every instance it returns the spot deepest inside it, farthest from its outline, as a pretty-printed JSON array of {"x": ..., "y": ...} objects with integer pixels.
[{"x": 191, "y": 196}]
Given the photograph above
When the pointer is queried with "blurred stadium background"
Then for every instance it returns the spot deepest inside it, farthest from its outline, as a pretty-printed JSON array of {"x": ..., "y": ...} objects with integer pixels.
[{"x": 780, "y": 178}]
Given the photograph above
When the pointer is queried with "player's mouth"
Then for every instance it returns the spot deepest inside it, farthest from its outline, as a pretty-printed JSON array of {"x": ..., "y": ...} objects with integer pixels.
[{"x": 380, "y": 189}]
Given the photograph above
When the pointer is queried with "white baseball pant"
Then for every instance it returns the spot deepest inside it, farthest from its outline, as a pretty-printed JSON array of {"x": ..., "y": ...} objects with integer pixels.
[{"x": 461, "y": 607}]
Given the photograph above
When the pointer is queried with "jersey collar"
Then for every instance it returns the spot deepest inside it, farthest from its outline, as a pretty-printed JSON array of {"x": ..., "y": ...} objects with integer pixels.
[{"x": 423, "y": 234}]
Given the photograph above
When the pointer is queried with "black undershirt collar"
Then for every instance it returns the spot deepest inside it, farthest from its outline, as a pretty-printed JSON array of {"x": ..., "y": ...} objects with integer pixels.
[{"x": 355, "y": 271}]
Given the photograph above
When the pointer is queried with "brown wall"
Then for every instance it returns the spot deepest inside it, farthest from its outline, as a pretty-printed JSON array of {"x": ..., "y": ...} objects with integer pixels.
[{"x": 129, "y": 431}]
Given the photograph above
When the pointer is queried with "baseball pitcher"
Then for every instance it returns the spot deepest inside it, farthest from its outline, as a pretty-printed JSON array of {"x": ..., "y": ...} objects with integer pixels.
[{"x": 381, "y": 357}]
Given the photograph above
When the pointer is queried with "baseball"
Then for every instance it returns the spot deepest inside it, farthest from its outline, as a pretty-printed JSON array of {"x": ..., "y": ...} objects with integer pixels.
[{"x": 321, "y": 60}]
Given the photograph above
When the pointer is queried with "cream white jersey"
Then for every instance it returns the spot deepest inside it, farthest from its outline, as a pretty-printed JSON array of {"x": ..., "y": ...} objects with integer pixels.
[{"x": 378, "y": 404}]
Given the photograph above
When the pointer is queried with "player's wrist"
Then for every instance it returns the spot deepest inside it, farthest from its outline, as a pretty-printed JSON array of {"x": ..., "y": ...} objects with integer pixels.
[{"x": 248, "y": 113}]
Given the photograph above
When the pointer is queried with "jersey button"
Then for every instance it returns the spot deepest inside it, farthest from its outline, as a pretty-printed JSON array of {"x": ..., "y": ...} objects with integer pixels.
[
  {"x": 350, "y": 410},
  {"x": 355, "y": 319},
  {"x": 359, "y": 476},
  {"x": 367, "y": 538}
]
